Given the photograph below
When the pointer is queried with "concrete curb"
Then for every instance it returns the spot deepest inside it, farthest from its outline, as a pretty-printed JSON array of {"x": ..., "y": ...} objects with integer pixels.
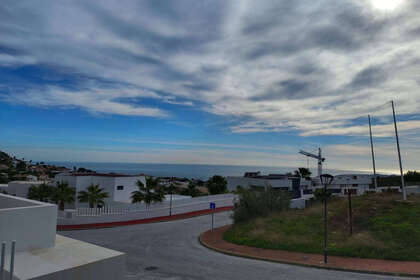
[
  {"x": 142, "y": 221},
  {"x": 320, "y": 266}
]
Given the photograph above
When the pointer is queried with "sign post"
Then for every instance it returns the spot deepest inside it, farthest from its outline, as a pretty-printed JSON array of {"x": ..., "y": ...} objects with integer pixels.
[{"x": 212, "y": 207}]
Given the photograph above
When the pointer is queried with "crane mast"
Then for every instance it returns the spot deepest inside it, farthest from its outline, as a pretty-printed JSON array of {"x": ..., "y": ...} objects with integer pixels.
[{"x": 318, "y": 157}]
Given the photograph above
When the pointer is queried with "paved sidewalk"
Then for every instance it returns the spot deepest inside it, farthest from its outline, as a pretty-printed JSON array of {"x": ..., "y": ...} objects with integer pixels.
[{"x": 214, "y": 240}]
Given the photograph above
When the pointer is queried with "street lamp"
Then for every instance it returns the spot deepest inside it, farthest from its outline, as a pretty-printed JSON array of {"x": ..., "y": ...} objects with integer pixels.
[
  {"x": 171, "y": 189},
  {"x": 326, "y": 180}
]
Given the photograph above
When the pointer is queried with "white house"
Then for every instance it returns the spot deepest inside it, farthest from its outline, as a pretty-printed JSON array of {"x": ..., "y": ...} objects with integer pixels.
[
  {"x": 40, "y": 253},
  {"x": 31, "y": 178},
  {"x": 357, "y": 184},
  {"x": 21, "y": 188},
  {"x": 256, "y": 180},
  {"x": 119, "y": 187}
]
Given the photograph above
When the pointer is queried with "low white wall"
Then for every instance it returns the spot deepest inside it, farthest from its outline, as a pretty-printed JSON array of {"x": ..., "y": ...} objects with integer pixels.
[
  {"x": 31, "y": 223},
  {"x": 181, "y": 207},
  {"x": 298, "y": 203}
]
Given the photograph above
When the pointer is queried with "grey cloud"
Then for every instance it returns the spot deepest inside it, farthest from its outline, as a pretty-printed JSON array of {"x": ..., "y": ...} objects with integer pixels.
[
  {"x": 269, "y": 62},
  {"x": 373, "y": 76},
  {"x": 287, "y": 89}
]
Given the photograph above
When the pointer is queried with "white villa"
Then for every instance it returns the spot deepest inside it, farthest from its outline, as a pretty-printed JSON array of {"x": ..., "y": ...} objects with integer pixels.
[
  {"x": 119, "y": 187},
  {"x": 40, "y": 253},
  {"x": 356, "y": 183}
]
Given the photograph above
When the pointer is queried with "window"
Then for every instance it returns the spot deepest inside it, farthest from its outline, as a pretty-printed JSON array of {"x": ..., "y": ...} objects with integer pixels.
[
  {"x": 355, "y": 185},
  {"x": 120, "y": 188}
]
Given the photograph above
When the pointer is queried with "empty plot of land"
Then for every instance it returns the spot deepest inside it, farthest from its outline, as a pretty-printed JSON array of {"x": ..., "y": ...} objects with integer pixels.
[{"x": 170, "y": 250}]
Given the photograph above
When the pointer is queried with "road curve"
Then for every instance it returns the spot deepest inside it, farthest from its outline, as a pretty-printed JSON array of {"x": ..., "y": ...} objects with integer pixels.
[{"x": 170, "y": 250}]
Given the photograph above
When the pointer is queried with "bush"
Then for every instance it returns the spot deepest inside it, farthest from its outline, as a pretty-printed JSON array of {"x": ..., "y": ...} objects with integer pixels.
[
  {"x": 320, "y": 195},
  {"x": 216, "y": 185},
  {"x": 253, "y": 204}
]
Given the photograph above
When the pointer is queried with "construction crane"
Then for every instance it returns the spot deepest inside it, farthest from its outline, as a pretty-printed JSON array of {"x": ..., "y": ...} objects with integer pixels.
[{"x": 318, "y": 157}]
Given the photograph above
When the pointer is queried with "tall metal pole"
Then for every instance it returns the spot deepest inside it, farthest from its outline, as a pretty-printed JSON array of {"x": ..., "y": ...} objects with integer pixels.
[
  {"x": 170, "y": 201},
  {"x": 350, "y": 211},
  {"x": 319, "y": 162},
  {"x": 12, "y": 260},
  {"x": 375, "y": 181},
  {"x": 2, "y": 259},
  {"x": 399, "y": 152},
  {"x": 325, "y": 224}
]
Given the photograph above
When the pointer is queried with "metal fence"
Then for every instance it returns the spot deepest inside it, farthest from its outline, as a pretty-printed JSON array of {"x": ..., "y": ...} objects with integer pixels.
[
  {"x": 3, "y": 273},
  {"x": 193, "y": 204}
]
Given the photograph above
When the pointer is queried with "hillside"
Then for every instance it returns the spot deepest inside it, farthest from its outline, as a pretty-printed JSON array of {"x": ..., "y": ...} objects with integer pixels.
[
  {"x": 5, "y": 160},
  {"x": 12, "y": 169},
  {"x": 384, "y": 227}
]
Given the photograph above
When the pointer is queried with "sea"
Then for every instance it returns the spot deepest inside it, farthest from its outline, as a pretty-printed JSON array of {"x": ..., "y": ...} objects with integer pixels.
[{"x": 192, "y": 171}]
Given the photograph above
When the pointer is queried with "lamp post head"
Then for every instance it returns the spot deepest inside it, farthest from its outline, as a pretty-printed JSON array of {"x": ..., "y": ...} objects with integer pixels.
[{"x": 326, "y": 179}]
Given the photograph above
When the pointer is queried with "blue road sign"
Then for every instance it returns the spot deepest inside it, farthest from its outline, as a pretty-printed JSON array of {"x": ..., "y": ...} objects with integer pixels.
[{"x": 212, "y": 205}]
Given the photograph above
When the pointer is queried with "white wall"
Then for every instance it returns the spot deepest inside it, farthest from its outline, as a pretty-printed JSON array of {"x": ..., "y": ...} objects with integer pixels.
[
  {"x": 31, "y": 223},
  {"x": 179, "y": 207},
  {"x": 130, "y": 185},
  {"x": 109, "y": 184},
  {"x": 246, "y": 182},
  {"x": 21, "y": 188}
]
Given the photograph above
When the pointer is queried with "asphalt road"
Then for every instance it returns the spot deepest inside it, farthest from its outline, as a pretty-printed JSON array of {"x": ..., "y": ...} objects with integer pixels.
[{"x": 170, "y": 250}]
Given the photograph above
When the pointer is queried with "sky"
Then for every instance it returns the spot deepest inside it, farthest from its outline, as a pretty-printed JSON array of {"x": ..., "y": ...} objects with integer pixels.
[{"x": 211, "y": 82}]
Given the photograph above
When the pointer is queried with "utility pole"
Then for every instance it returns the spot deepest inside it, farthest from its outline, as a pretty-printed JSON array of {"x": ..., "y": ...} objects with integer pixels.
[
  {"x": 375, "y": 181},
  {"x": 399, "y": 152},
  {"x": 350, "y": 211}
]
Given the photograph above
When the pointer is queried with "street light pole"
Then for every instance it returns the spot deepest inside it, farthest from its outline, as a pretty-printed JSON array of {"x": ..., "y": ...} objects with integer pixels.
[
  {"x": 375, "y": 180},
  {"x": 326, "y": 179},
  {"x": 399, "y": 152},
  {"x": 350, "y": 211},
  {"x": 170, "y": 200}
]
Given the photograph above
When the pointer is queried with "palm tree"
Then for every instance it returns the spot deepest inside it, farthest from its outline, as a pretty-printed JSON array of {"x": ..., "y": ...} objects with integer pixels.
[
  {"x": 303, "y": 172},
  {"x": 62, "y": 194},
  {"x": 150, "y": 193},
  {"x": 40, "y": 193},
  {"x": 93, "y": 195}
]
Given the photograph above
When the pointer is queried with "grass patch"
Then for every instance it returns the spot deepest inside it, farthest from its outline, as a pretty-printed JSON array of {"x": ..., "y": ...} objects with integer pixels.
[{"x": 384, "y": 227}]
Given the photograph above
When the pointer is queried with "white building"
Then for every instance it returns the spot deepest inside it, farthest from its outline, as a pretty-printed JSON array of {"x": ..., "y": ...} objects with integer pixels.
[
  {"x": 256, "y": 180},
  {"x": 20, "y": 188},
  {"x": 31, "y": 178},
  {"x": 42, "y": 254},
  {"x": 356, "y": 183},
  {"x": 119, "y": 187}
]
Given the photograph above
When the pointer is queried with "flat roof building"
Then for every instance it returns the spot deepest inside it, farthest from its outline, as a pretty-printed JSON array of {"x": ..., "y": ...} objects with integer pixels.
[{"x": 118, "y": 186}]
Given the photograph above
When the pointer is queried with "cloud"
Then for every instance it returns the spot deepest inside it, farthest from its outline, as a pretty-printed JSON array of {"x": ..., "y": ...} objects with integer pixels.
[{"x": 313, "y": 68}]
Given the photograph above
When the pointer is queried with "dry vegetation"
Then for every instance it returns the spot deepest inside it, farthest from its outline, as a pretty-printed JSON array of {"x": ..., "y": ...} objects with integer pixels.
[{"x": 383, "y": 227}]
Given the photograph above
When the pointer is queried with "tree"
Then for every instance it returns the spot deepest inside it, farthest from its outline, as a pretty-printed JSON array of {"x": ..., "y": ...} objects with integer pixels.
[
  {"x": 412, "y": 176},
  {"x": 303, "y": 172},
  {"x": 191, "y": 190},
  {"x": 21, "y": 166},
  {"x": 253, "y": 203},
  {"x": 41, "y": 193},
  {"x": 216, "y": 184},
  {"x": 94, "y": 195},
  {"x": 148, "y": 194},
  {"x": 62, "y": 194},
  {"x": 3, "y": 179}
]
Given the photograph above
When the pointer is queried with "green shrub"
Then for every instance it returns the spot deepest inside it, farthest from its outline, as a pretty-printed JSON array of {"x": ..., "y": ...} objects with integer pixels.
[
  {"x": 254, "y": 203},
  {"x": 321, "y": 195}
]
